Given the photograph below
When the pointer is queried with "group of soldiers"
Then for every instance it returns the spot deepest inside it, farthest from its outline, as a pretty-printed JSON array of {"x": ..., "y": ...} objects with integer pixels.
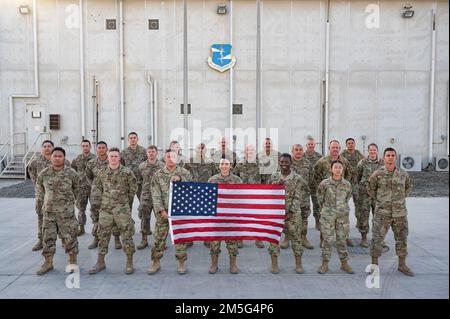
[{"x": 110, "y": 180}]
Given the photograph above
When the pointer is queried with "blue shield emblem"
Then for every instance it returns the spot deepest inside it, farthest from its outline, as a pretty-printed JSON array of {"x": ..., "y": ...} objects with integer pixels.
[{"x": 221, "y": 58}]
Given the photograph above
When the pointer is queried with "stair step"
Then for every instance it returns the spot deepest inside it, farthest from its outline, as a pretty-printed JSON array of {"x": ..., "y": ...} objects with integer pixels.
[{"x": 12, "y": 176}]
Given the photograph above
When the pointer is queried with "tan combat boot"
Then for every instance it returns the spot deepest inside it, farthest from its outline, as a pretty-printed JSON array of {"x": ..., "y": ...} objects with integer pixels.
[
  {"x": 94, "y": 243},
  {"x": 81, "y": 231},
  {"x": 37, "y": 246},
  {"x": 99, "y": 266},
  {"x": 156, "y": 266},
  {"x": 403, "y": 268},
  {"x": 181, "y": 269},
  {"x": 117, "y": 243},
  {"x": 72, "y": 263},
  {"x": 46, "y": 266},
  {"x": 317, "y": 223},
  {"x": 349, "y": 242},
  {"x": 259, "y": 244},
  {"x": 298, "y": 265},
  {"x": 364, "y": 241},
  {"x": 274, "y": 269},
  {"x": 306, "y": 243},
  {"x": 129, "y": 266},
  {"x": 323, "y": 268},
  {"x": 144, "y": 242},
  {"x": 346, "y": 267},
  {"x": 285, "y": 243},
  {"x": 233, "y": 265},
  {"x": 214, "y": 264}
]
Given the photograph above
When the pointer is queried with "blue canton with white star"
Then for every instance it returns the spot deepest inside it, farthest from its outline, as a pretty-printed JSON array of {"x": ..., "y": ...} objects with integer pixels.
[{"x": 194, "y": 199}]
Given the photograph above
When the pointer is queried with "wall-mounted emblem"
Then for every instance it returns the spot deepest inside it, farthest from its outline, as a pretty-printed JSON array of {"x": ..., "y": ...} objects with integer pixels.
[{"x": 221, "y": 58}]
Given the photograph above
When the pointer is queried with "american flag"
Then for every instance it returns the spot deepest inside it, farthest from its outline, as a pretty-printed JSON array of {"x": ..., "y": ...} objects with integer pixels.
[{"x": 206, "y": 212}]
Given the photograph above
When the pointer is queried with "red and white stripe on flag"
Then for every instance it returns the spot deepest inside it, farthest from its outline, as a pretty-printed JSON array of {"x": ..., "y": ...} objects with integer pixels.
[{"x": 244, "y": 212}]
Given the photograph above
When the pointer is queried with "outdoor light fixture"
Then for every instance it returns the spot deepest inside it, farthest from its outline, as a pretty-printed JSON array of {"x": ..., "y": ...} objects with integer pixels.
[
  {"x": 408, "y": 12},
  {"x": 24, "y": 9},
  {"x": 222, "y": 9}
]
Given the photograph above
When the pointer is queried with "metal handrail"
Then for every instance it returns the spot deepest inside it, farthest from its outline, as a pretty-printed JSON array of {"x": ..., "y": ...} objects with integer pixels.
[
  {"x": 24, "y": 160},
  {"x": 7, "y": 154}
]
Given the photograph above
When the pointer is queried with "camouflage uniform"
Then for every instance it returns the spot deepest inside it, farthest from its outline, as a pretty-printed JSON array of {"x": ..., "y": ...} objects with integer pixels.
[
  {"x": 79, "y": 165},
  {"x": 132, "y": 159},
  {"x": 160, "y": 191},
  {"x": 248, "y": 171},
  {"x": 365, "y": 168},
  {"x": 201, "y": 169},
  {"x": 56, "y": 192},
  {"x": 114, "y": 191},
  {"x": 293, "y": 201},
  {"x": 232, "y": 245},
  {"x": 389, "y": 191},
  {"x": 312, "y": 186},
  {"x": 354, "y": 159},
  {"x": 146, "y": 173},
  {"x": 34, "y": 168},
  {"x": 333, "y": 197},
  {"x": 268, "y": 165},
  {"x": 93, "y": 168},
  {"x": 301, "y": 168},
  {"x": 217, "y": 156}
]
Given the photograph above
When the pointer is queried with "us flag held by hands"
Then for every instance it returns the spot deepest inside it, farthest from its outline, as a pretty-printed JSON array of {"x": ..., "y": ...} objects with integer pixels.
[{"x": 207, "y": 212}]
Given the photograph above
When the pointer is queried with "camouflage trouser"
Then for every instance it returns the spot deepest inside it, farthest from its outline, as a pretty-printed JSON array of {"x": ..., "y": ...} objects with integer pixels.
[
  {"x": 365, "y": 203},
  {"x": 161, "y": 232},
  {"x": 305, "y": 212},
  {"x": 95, "y": 212},
  {"x": 125, "y": 224},
  {"x": 145, "y": 216},
  {"x": 138, "y": 193},
  {"x": 81, "y": 203},
  {"x": 40, "y": 220},
  {"x": 380, "y": 227},
  {"x": 66, "y": 225},
  {"x": 355, "y": 197},
  {"x": 316, "y": 208},
  {"x": 329, "y": 225},
  {"x": 293, "y": 226},
  {"x": 232, "y": 247}
]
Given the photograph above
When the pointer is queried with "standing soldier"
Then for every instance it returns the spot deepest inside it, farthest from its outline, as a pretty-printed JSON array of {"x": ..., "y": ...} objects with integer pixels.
[
  {"x": 133, "y": 156},
  {"x": 224, "y": 177},
  {"x": 201, "y": 169},
  {"x": 79, "y": 164},
  {"x": 36, "y": 166},
  {"x": 268, "y": 160},
  {"x": 333, "y": 195},
  {"x": 301, "y": 166},
  {"x": 248, "y": 170},
  {"x": 57, "y": 190},
  {"x": 224, "y": 151},
  {"x": 145, "y": 174},
  {"x": 322, "y": 170},
  {"x": 160, "y": 191},
  {"x": 365, "y": 168},
  {"x": 93, "y": 169},
  {"x": 353, "y": 156},
  {"x": 312, "y": 156},
  {"x": 114, "y": 188},
  {"x": 175, "y": 146},
  {"x": 388, "y": 187},
  {"x": 293, "y": 221}
]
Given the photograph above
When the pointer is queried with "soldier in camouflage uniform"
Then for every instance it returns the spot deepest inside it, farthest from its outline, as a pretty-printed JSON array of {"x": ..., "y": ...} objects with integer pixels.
[
  {"x": 301, "y": 166},
  {"x": 388, "y": 187},
  {"x": 160, "y": 190},
  {"x": 175, "y": 146},
  {"x": 353, "y": 156},
  {"x": 133, "y": 156},
  {"x": 268, "y": 160},
  {"x": 224, "y": 177},
  {"x": 333, "y": 195},
  {"x": 114, "y": 189},
  {"x": 36, "y": 166},
  {"x": 202, "y": 168},
  {"x": 248, "y": 170},
  {"x": 145, "y": 174},
  {"x": 79, "y": 165},
  {"x": 293, "y": 202},
  {"x": 222, "y": 152},
  {"x": 57, "y": 188},
  {"x": 322, "y": 170},
  {"x": 364, "y": 169},
  {"x": 312, "y": 156},
  {"x": 93, "y": 169}
]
